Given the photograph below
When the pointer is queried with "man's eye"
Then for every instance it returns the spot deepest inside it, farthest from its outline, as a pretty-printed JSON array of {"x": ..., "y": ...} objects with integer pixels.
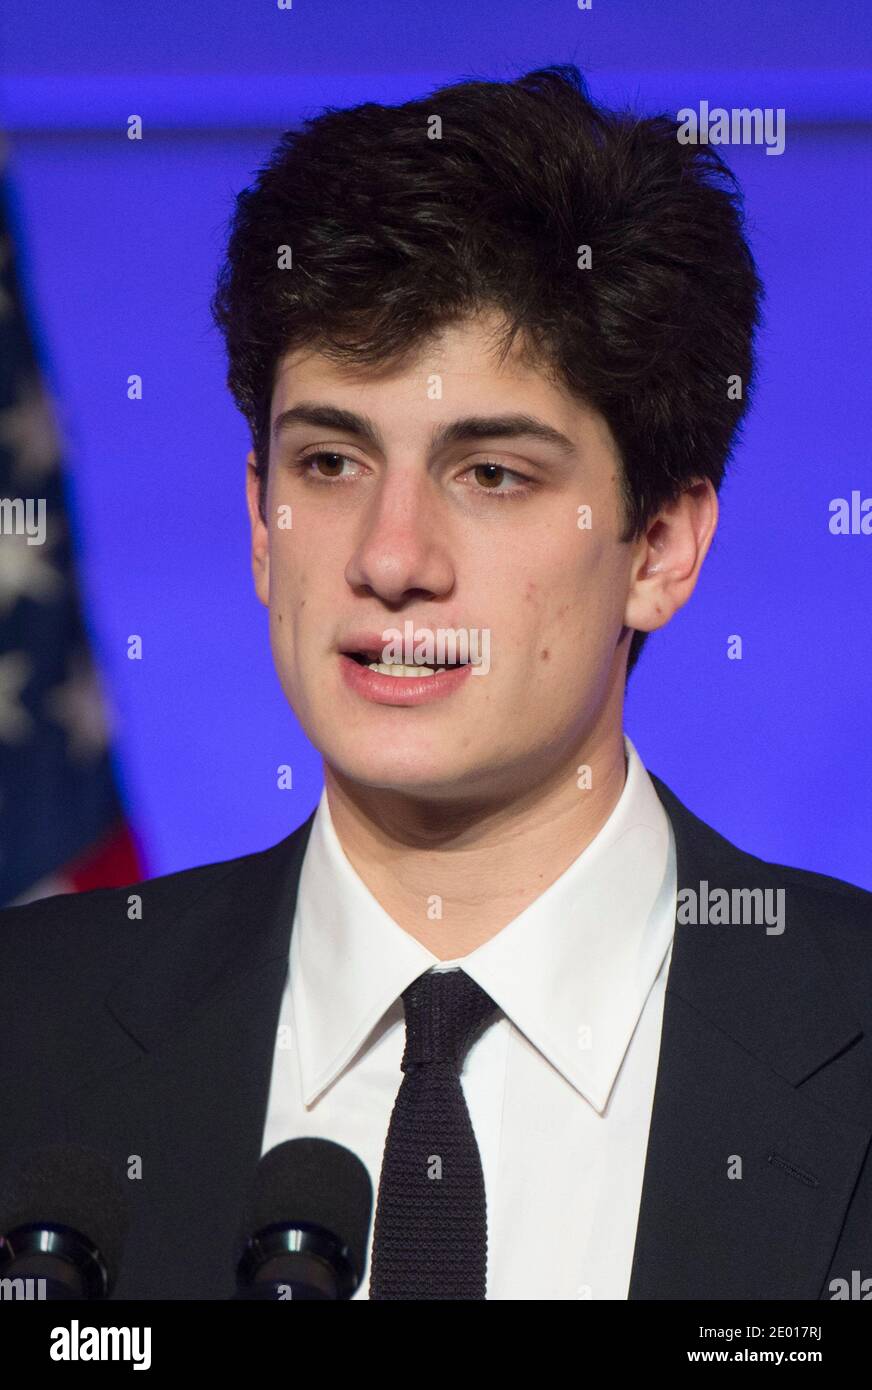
[
  {"x": 333, "y": 462},
  {"x": 490, "y": 475}
]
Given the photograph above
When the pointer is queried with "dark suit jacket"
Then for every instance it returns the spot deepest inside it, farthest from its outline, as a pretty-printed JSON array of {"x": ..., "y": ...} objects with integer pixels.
[{"x": 156, "y": 1037}]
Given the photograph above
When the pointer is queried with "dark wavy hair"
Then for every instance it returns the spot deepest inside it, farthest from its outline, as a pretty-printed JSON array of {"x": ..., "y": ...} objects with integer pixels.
[{"x": 394, "y": 234}]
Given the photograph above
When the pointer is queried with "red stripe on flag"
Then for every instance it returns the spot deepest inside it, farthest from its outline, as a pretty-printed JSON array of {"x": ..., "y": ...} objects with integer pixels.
[{"x": 112, "y": 862}]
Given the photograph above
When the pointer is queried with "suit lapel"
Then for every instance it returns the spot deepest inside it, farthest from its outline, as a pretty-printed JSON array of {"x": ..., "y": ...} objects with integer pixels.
[
  {"x": 184, "y": 1089},
  {"x": 748, "y": 1018}
]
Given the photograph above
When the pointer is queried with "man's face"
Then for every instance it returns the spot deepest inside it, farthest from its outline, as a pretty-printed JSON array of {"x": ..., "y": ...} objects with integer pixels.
[{"x": 476, "y": 532}]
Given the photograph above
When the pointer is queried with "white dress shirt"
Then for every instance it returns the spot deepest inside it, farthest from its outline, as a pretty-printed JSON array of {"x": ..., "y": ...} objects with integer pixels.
[{"x": 559, "y": 1086}]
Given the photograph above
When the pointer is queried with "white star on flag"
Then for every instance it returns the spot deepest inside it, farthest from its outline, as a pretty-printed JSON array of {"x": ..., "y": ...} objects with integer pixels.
[
  {"x": 15, "y": 722},
  {"x": 26, "y": 572},
  {"x": 78, "y": 706},
  {"x": 29, "y": 430}
]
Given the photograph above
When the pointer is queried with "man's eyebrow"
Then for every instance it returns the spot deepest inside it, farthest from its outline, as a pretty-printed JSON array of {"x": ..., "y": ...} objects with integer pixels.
[
  {"x": 329, "y": 417},
  {"x": 500, "y": 427},
  {"x": 457, "y": 431}
]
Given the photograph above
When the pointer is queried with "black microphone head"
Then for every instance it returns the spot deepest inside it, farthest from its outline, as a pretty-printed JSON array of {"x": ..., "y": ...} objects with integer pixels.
[
  {"x": 314, "y": 1181},
  {"x": 69, "y": 1185}
]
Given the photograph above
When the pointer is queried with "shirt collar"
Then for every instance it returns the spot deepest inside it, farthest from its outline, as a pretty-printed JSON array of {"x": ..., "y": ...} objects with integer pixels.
[{"x": 572, "y": 971}]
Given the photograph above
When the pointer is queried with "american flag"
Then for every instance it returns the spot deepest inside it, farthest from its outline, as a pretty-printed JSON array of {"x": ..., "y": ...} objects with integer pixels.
[{"x": 62, "y": 824}]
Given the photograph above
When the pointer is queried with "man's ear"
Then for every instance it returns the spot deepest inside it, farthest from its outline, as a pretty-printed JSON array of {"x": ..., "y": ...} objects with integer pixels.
[
  {"x": 259, "y": 532},
  {"x": 669, "y": 556}
]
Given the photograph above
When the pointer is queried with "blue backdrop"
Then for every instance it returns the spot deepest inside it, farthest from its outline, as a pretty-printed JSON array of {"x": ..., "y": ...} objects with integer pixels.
[{"x": 120, "y": 242}]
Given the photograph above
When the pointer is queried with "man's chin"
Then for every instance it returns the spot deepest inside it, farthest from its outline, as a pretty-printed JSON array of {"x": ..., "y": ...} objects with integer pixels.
[{"x": 416, "y": 778}]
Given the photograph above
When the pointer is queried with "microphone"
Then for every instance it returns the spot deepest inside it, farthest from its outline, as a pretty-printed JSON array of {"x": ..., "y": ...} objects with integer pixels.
[
  {"x": 309, "y": 1213},
  {"x": 63, "y": 1220}
]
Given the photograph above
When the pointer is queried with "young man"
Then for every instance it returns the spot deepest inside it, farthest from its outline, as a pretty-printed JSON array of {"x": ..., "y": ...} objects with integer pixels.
[{"x": 487, "y": 344}]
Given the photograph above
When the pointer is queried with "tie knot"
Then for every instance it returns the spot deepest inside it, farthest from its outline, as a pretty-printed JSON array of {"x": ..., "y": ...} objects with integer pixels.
[{"x": 444, "y": 1011}]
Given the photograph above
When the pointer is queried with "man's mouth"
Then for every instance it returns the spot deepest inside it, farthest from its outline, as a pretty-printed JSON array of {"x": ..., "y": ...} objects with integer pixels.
[{"x": 399, "y": 669}]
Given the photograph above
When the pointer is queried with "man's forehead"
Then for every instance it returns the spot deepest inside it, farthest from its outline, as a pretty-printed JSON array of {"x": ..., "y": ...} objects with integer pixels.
[{"x": 468, "y": 352}]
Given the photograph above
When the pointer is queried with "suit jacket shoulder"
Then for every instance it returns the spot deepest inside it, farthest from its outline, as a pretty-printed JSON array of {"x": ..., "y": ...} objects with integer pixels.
[{"x": 105, "y": 926}]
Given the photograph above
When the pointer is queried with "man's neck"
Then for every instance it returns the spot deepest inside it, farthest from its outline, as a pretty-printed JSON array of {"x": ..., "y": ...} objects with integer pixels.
[{"x": 454, "y": 876}]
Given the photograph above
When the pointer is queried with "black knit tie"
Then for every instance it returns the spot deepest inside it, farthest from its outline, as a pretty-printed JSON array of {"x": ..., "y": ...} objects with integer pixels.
[{"x": 430, "y": 1236}]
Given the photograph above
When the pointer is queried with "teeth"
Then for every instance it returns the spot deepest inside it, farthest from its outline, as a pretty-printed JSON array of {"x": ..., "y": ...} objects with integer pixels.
[{"x": 397, "y": 669}]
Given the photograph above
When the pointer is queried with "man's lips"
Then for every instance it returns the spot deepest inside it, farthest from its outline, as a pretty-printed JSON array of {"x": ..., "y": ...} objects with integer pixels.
[
  {"x": 371, "y": 645},
  {"x": 402, "y": 689}
]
